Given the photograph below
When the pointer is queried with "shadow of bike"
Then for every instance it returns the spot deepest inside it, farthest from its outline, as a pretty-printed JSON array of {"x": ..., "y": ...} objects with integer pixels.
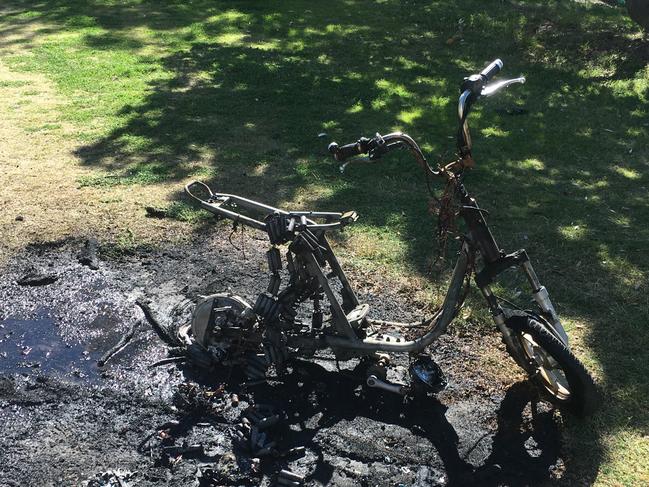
[{"x": 338, "y": 420}]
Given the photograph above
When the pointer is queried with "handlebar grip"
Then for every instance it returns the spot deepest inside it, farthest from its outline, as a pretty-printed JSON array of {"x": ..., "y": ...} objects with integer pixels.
[
  {"x": 492, "y": 70},
  {"x": 341, "y": 153}
]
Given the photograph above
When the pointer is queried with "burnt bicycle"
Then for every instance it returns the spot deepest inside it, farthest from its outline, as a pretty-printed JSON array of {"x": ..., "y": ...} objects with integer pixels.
[{"x": 225, "y": 330}]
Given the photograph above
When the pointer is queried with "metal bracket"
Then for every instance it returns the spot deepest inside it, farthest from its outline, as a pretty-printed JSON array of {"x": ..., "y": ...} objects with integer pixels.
[{"x": 491, "y": 270}]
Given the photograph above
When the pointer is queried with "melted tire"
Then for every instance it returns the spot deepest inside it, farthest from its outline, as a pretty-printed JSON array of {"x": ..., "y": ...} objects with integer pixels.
[{"x": 584, "y": 398}]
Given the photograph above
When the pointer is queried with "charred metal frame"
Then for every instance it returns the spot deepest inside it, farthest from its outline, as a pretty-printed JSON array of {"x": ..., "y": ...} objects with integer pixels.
[{"x": 311, "y": 262}]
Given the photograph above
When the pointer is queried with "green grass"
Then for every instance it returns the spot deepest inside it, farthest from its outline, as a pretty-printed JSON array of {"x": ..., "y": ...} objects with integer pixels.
[
  {"x": 186, "y": 212},
  {"x": 237, "y": 92},
  {"x": 148, "y": 173},
  {"x": 13, "y": 84}
]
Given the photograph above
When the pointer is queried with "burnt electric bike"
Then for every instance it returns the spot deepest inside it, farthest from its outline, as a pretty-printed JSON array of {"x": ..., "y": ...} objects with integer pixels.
[{"x": 227, "y": 331}]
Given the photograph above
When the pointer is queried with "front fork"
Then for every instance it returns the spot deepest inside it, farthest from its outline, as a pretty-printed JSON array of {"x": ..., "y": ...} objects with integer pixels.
[
  {"x": 539, "y": 293},
  {"x": 542, "y": 298},
  {"x": 496, "y": 262}
]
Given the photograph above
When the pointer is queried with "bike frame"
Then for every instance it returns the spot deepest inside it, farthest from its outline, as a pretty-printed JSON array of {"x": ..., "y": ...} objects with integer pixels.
[
  {"x": 347, "y": 335},
  {"x": 478, "y": 241},
  {"x": 308, "y": 263}
]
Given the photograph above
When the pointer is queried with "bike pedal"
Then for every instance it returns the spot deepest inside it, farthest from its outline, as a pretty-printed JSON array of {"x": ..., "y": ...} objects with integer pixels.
[{"x": 375, "y": 382}]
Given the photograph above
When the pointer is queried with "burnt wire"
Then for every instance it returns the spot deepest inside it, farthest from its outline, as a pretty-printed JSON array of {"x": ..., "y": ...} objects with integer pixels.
[
  {"x": 500, "y": 298},
  {"x": 467, "y": 283},
  {"x": 447, "y": 209},
  {"x": 445, "y": 206},
  {"x": 235, "y": 225}
]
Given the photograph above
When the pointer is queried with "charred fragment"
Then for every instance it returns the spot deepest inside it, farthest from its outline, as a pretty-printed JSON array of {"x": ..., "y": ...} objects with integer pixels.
[
  {"x": 120, "y": 345},
  {"x": 35, "y": 278},
  {"x": 88, "y": 255},
  {"x": 251, "y": 433}
]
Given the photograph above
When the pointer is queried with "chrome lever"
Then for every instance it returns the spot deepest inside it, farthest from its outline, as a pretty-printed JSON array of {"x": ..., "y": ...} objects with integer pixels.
[
  {"x": 494, "y": 87},
  {"x": 353, "y": 159}
]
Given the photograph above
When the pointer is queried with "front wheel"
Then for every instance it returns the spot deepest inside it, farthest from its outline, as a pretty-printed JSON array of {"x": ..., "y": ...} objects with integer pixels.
[{"x": 553, "y": 367}]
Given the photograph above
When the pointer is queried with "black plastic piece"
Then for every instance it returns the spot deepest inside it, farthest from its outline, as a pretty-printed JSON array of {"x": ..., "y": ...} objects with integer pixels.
[
  {"x": 273, "y": 285},
  {"x": 274, "y": 260},
  {"x": 317, "y": 320},
  {"x": 490, "y": 271},
  {"x": 476, "y": 82},
  {"x": 377, "y": 147},
  {"x": 492, "y": 70},
  {"x": 266, "y": 306},
  {"x": 341, "y": 153},
  {"x": 427, "y": 376},
  {"x": 288, "y": 312},
  {"x": 276, "y": 227}
]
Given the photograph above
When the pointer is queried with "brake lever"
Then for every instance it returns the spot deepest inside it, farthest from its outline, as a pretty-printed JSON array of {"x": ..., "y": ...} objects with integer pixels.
[
  {"x": 353, "y": 159},
  {"x": 492, "y": 88}
]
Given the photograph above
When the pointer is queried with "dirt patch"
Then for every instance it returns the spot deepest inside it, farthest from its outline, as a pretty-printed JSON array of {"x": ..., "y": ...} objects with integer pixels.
[
  {"x": 65, "y": 421},
  {"x": 42, "y": 199}
]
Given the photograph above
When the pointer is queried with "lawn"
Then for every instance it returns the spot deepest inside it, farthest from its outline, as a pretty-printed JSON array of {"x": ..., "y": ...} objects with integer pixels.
[{"x": 236, "y": 93}]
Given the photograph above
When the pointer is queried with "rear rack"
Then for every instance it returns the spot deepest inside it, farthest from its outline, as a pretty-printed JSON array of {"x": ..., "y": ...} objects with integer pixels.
[{"x": 218, "y": 203}]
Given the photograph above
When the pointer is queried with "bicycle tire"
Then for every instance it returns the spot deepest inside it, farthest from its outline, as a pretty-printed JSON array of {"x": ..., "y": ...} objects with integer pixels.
[{"x": 583, "y": 396}]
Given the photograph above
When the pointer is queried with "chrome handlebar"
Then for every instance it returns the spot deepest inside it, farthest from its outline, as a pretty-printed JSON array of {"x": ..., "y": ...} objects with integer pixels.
[
  {"x": 493, "y": 88},
  {"x": 472, "y": 88}
]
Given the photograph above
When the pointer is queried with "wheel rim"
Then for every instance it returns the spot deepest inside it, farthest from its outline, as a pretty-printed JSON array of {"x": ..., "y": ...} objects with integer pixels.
[{"x": 548, "y": 370}]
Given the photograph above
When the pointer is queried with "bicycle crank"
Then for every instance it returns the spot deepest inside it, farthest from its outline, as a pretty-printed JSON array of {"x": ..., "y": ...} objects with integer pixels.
[{"x": 374, "y": 381}]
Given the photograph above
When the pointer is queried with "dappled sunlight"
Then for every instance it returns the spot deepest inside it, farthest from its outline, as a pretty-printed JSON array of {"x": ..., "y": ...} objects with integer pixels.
[
  {"x": 375, "y": 247},
  {"x": 533, "y": 164},
  {"x": 493, "y": 132},
  {"x": 590, "y": 185},
  {"x": 228, "y": 17},
  {"x": 620, "y": 220},
  {"x": 627, "y": 172},
  {"x": 308, "y": 198},
  {"x": 355, "y": 108},
  {"x": 260, "y": 170},
  {"x": 390, "y": 89},
  {"x": 629, "y": 276},
  {"x": 230, "y": 38},
  {"x": 409, "y": 117},
  {"x": 573, "y": 232}
]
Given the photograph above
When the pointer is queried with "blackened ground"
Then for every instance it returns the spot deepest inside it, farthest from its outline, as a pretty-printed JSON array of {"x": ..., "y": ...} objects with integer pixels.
[{"x": 66, "y": 421}]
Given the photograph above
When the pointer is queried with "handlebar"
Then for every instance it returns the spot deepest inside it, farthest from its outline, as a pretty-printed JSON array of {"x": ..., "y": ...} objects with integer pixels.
[
  {"x": 361, "y": 146},
  {"x": 379, "y": 145},
  {"x": 471, "y": 89},
  {"x": 492, "y": 70}
]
